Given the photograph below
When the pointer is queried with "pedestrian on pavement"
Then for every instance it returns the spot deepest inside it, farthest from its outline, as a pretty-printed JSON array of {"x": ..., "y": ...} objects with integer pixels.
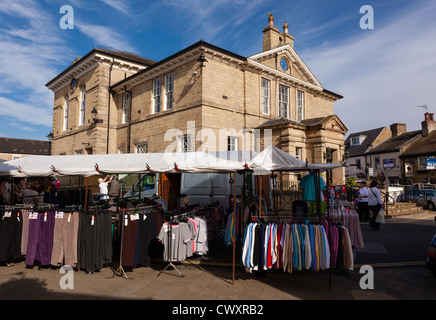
[
  {"x": 375, "y": 203},
  {"x": 363, "y": 208}
]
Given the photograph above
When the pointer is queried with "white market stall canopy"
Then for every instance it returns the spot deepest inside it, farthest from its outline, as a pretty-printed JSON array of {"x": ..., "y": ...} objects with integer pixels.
[{"x": 270, "y": 159}]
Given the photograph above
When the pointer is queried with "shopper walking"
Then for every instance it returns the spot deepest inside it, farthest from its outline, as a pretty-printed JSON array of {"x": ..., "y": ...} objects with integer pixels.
[
  {"x": 375, "y": 203},
  {"x": 363, "y": 208}
]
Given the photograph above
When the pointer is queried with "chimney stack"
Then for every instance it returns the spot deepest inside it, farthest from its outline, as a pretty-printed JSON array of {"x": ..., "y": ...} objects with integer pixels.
[
  {"x": 428, "y": 125},
  {"x": 398, "y": 128},
  {"x": 272, "y": 38}
]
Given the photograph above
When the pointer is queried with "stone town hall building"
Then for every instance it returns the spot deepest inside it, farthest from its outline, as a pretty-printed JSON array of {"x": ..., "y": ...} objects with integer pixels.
[{"x": 200, "y": 98}]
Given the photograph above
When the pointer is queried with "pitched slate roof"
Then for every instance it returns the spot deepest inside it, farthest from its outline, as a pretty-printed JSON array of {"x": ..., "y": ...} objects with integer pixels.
[
  {"x": 393, "y": 144},
  {"x": 360, "y": 150},
  {"x": 24, "y": 146},
  {"x": 422, "y": 146}
]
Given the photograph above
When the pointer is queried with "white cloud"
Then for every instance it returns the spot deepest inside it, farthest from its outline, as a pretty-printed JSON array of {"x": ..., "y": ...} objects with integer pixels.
[
  {"x": 383, "y": 73},
  {"x": 118, "y": 5},
  {"x": 25, "y": 112},
  {"x": 214, "y": 20},
  {"x": 29, "y": 54},
  {"x": 105, "y": 36}
]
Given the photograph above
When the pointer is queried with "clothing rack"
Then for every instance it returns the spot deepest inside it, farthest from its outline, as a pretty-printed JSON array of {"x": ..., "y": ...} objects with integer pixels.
[
  {"x": 120, "y": 270},
  {"x": 170, "y": 233}
]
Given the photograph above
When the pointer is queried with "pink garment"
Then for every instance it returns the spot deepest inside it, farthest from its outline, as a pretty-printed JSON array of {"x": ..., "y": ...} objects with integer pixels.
[{"x": 333, "y": 238}]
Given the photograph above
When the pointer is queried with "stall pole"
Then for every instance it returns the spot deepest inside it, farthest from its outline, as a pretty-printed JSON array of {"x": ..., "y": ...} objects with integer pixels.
[
  {"x": 260, "y": 196},
  {"x": 120, "y": 270},
  {"x": 139, "y": 187}
]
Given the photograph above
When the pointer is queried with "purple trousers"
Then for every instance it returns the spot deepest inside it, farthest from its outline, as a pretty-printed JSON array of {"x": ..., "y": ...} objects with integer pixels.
[{"x": 40, "y": 240}]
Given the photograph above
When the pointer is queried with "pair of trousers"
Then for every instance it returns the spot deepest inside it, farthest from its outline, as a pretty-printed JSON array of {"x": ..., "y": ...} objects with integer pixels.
[
  {"x": 65, "y": 239},
  {"x": 145, "y": 234},
  {"x": 40, "y": 241},
  {"x": 363, "y": 210},
  {"x": 374, "y": 209},
  {"x": 10, "y": 235},
  {"x": 24, "y": 216},
  {"x": 94, "y": 245},
  {"x": 129, "y": 234}
]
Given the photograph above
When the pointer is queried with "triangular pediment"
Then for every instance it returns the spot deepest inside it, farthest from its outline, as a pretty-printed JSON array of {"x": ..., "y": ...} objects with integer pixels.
[
  {"x": 333, "y": 123},
  {"x": 296, "y": 67}
]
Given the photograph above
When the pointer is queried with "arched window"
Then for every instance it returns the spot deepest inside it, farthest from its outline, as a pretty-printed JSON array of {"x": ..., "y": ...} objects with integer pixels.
[
  {"x": 66, "y": 106},
  {"x": 82, "y": 106}
]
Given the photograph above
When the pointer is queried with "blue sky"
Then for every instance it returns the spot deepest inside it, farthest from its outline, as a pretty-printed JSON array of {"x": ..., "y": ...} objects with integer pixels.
[{"x": 383, "y": 73}]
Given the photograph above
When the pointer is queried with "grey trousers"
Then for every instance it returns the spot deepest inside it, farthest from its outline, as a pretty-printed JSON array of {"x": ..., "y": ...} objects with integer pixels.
[
  {"x": 65, "y": 239},
  {"x": 25, "y": 232}
]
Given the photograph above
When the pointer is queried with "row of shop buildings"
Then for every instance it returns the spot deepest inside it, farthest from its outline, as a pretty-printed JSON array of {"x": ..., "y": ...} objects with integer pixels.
[{"x": 394, "y": 155}]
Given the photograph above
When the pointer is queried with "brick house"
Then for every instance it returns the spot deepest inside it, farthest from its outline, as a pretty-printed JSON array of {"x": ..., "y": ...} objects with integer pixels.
[
  {"x": 357, "y": 148},
  {"x": 200, "y": 98},
  {"x": 416, "y": 161},
  {"x": 13, "y": 148}
]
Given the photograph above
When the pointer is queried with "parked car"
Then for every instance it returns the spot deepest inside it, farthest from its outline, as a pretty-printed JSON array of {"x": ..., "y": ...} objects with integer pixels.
[
  {"x": 423, "y": 197},
  {"x": 431, "y": 259}
]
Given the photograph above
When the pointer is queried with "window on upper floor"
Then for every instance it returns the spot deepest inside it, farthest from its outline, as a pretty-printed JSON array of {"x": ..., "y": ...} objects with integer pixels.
[
  {"x": 169, "y": 88},
  {"x": 355, "y": 141},
  {"x": 265, "y": 95},
  {"x": 82, "y": 106},
  {"x": 66, "y": 107},
  {"x": 283, "y": 101},
  {"x": 156, "y": 95},
  {"x": 126, "y": 108},
  {"x": 300, "y": 105}
]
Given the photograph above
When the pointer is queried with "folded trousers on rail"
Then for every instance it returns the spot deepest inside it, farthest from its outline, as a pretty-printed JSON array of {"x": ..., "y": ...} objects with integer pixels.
[
  {"x": 40, "y": 240},
  {"x": 10, "y": 236},
  {"x": 65, "y": 239}
]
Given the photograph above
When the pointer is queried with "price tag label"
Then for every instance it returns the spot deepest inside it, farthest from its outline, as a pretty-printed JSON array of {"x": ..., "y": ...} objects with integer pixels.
[
  {"x": 59, "y": 215},
  {"x": 134, "y": 217},
  {"x": 33, "y": 215},
  {"x": 8, "y": 214},
  {"x": 45, "y": 216},
  {"x": 92, "y": 220},
  {"x": 69, "y": 217}
]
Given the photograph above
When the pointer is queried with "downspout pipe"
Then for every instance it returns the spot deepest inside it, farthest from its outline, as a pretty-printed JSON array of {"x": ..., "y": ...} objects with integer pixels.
[
  {"x": 130, "y": 119},
  {"x": 109, "y": 106}
]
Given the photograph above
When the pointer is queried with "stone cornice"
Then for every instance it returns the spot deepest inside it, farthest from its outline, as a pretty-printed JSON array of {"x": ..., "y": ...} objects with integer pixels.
[{"x": 88, "y": 63}]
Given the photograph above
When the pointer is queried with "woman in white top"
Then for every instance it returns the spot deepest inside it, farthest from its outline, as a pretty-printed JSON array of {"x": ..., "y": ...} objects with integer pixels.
[
  {"x": 375, "y": 203},
  {"x": 103, "y": 186}
]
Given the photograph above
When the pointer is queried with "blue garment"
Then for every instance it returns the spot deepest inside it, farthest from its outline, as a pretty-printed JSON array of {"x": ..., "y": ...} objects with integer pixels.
[
  {"x": 302, "y": 244},
  {"x": 295, "y": 251},
  {"x": 308, "y": 185}
]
